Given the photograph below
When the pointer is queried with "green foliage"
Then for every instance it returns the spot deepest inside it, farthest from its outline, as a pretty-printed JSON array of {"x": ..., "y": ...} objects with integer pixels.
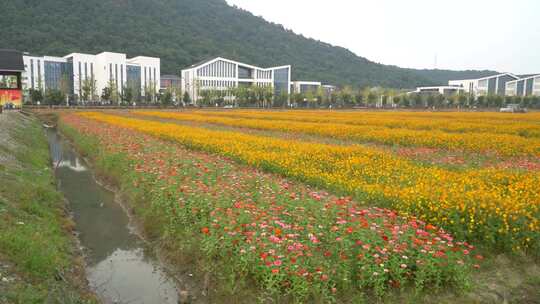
[
  {"x": 205, "y": 28},
  {"x": 187, "y": 98},
  {"x": 54, "y": 97},
  {"x": 35, "y": 96}
]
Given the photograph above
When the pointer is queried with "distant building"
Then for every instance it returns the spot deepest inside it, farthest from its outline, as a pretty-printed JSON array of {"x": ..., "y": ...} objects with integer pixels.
[
  {"x": 11, "y": 69},
  {"x": 224, "y": 74},
  {"x": 72, "y": 71},
  {"x": 491, "y": 85},
  {"x": 329, "y": 88},
  {"x": 305, "y": 86},
  {"x": 443, "y": 90},
  {"x": 170, "y": 81},
  {"x": 527, "y": 86}
]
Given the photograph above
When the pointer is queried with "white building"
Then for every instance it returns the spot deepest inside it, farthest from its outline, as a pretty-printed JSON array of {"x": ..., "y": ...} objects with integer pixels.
[
  {"x": 224, "y": 74},
  {"x": 527, "y": 86},
  {"x": 105, "y": 68},
  {"x": 443, "y": 90},
  {"x": 491, "y": 85},
  {"x": 305, "y": 86}
]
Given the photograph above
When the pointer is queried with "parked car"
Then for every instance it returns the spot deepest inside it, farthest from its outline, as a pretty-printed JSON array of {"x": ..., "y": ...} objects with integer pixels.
[
  {"x": 513, "y": 108},
  {"x": 228, "y": 107}
]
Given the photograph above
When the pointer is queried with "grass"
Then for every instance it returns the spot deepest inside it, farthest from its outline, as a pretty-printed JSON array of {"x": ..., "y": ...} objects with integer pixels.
[{"x": 35, "y": 229}]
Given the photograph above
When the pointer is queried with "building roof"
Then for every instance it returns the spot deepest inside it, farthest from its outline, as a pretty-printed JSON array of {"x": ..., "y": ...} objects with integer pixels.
[
  {"x": 525, "y": 77},
  {"x": 201, "y": 62},
  {"x": 11, "y": 60},
  {"x": 211, "y": 60}
]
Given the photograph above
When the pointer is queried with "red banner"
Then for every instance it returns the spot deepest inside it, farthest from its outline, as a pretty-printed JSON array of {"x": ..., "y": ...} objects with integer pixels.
[{"x": 11, "y": 96}]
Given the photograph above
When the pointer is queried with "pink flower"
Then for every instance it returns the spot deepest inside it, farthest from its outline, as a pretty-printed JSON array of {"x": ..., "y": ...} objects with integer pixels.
[{"x": 277, "y": 263}]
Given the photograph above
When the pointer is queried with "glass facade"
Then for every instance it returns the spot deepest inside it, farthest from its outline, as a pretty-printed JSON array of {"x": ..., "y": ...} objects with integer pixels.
[
  {"x": 133, "y": 77},
  {"x": 492, "y": 85},
  {"x": 245, "y": 73},
  {"x": 56, "y": 72},
  {"x": 529, "y": 85},
  {"x": 32, "y": 73},
  {"x": 281, "y": 81},
  {"x": 520, "y": 87}
]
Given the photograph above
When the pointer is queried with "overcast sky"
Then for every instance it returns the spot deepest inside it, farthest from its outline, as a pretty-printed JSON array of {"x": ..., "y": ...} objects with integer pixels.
[{"x": 502, "y": 35}]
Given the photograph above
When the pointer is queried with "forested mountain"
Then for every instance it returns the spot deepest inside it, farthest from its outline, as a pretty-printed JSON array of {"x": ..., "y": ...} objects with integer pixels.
[{"x": 183, "y": 32}]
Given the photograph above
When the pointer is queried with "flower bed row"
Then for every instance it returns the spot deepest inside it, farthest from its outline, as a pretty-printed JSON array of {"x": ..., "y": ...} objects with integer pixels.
[{"x": 481, "y": 140}]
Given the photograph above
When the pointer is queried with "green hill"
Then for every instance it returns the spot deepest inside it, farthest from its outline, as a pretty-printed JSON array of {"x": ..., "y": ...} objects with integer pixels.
[{"x": 182, "y": 32}]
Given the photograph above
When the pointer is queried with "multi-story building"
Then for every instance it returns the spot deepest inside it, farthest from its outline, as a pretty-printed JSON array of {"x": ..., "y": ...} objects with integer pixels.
[
  {"x": 170, "y": 81},
  {"x": 491, "y": 85},
  {"x": 526, "y": 86},
  {"x": 71, "y": 72},
  {"x": 442, "y": 90},
  {"x": 224, "y": 74}
]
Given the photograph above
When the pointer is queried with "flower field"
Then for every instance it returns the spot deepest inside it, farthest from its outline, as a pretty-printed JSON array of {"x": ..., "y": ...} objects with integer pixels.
[
  {"x": 496, "y": 206},
  {"x": 390, "y": 222},
  {"x": 290, "y": 237},
  {"x": 483, "y": 133}
]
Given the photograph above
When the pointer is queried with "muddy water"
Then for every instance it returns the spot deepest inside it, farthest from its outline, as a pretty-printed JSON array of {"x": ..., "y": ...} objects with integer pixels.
[{"x": 121, "y": 269}]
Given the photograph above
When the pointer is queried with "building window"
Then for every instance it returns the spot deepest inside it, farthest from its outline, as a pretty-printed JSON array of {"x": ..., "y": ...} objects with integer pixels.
[
  {"x": 32, "y": 73},
  {"x": 121, "y": 76},
  {"x": 110, "y": 72},
  {"x": 80, "y": 79},
  {"x": 40, "y": 85}
]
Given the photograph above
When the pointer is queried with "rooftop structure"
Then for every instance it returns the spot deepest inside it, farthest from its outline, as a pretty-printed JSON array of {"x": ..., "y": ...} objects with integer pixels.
[
  {"x": 527, "y": 86},
  {"x": 491, "y": 85}
]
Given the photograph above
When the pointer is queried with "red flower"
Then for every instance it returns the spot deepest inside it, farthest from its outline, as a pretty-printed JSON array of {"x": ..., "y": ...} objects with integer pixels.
[{"x": 205, "y": 230}]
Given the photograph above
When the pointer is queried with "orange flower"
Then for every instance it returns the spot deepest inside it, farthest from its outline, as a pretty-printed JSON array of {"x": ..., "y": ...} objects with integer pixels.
[{"x": 205, "y": 230}]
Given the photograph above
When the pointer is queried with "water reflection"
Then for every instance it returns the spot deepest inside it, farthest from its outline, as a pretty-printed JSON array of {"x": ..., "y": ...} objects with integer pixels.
[{"x": 119, "y": 269}]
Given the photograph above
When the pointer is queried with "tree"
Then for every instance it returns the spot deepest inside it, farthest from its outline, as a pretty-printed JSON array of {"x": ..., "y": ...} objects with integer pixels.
[
  {"x": 320, "y": 96},
  {"x": 87, "y": 90},
  {"x": 150, "y": 92},
  {"x": 310, "y": 99},
  {"x": 370, "y": 97},
  {"x": 54, "y": 97},
  {"x": 346, "y": 95},
  {"x": 440, "y": 100},
  {"x": 106, "y": 94},
  {"x": 481, "y": 101},
  {"x": 128, "y": 96},
  {"x": 167, "y": 97},
  {"x": 461, "y": 99},
  {"x": 177, "y": 94},
  {"x": 65, "y": 86},
  {"x": 36, "y": 96},
  {"x": 417, "y": 100},
  {"x": 187, "y": 98}
]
